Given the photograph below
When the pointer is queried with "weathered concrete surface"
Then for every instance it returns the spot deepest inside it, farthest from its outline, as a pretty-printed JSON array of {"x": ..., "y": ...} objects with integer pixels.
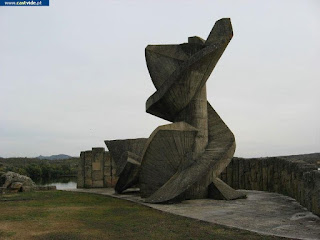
[{"x": 262, "y": 212}]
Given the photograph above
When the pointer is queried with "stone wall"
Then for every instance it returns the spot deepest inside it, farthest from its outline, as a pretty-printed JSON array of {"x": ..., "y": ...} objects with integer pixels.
[
  {"x": 96, "y": 169},
  {"x": 294, "y": 178}
]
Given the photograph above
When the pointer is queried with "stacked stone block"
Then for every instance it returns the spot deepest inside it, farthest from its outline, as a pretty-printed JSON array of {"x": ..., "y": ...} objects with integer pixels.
[
  {"x": 294, "y": 178},
  {"x": 88, "y": 169},
  {"x": 80, "y": 177},
  {"x": 107, "y": 172},
  {"x": 95, "y": 169},
  {"x": 110, "y": 177}
]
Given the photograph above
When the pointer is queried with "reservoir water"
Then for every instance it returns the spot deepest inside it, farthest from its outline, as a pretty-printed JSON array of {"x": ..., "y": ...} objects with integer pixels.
[
  {"x": 63, "y": 186},
  {"x": 60, "y": 183}
]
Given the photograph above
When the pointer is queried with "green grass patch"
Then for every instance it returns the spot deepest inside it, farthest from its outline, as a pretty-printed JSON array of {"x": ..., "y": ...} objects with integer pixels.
[
  {"x": 70, "y": 215},
  {"x": 4, "y": 234}
]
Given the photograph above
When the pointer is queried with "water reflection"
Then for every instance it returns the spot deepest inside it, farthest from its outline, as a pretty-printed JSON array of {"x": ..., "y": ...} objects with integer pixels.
[
  {"x": 63, "y": 186},
  {"x": 62, "y": 183}
]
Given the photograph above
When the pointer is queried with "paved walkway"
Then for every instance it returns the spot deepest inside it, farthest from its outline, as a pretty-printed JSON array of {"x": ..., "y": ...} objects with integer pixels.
[{"x": 262, "y": 212}]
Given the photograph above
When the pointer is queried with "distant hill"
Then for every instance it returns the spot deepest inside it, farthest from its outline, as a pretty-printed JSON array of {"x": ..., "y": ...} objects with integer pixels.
[
  {"x": 55, "y": 157},
  {"x": 304, "y": 156},
  {"x": 313, "y": 158}
]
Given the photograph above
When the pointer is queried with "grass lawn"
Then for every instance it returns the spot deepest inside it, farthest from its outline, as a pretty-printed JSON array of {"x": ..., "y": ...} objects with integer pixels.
[{"x": 69, "y": 215}]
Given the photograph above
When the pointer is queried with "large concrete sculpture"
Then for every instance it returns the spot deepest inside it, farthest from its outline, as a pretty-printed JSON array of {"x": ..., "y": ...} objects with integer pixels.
[{"x": 181, "y": 160}]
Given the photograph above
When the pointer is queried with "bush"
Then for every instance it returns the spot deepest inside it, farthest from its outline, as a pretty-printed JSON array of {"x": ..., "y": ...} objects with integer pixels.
[{"x": 34, "y": 171}]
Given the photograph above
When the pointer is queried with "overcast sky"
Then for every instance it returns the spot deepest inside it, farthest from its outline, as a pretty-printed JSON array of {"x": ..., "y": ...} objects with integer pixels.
[{"x": 74, "y": 74}]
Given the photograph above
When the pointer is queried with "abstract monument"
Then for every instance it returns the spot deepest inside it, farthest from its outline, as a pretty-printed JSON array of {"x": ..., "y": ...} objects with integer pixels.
[{"x": 181, "y": 160}]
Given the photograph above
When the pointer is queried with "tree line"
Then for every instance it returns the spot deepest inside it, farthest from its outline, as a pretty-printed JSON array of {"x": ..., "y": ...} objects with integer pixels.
[{"x": 40, "y": 169}]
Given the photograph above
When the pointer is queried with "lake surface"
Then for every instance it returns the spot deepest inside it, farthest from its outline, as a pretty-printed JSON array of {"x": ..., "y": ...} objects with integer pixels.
[
  {"x": 60, "y": 183},
  {"x": 63, "y": 186}
]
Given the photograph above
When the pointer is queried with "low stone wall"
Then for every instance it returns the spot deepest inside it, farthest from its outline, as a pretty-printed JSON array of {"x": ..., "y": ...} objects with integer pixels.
[
  {"x": 294, "y": 178},
  {"x": 96, "y": 169}
]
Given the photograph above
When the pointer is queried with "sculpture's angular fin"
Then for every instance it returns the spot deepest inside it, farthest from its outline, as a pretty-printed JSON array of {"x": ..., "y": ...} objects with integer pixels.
[
  {"x": 162, "y": 61},
  {"x": 118, "y": 147},
  {"x": 221, "y": 32},
  {"x": 127, "y": 157},
  {"x": 129, "y": 176},
  {"x": 220, "y": 190}
]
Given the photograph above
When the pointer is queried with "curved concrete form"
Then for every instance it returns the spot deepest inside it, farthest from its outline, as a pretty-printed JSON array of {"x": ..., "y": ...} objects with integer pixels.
[{"x": 180, "y": 163}]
